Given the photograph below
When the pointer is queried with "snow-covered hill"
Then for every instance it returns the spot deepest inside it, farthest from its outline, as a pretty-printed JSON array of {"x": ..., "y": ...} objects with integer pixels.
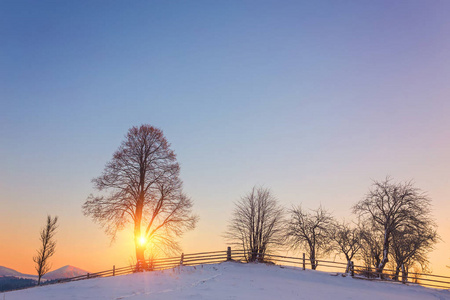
[
  {"x": 230, "y": 281},
  {"x": 4, "y": 271},
  {"x": 64, "y": 272}
]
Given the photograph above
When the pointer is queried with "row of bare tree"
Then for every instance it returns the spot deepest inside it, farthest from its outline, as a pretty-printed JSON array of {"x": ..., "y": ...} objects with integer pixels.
[
  {"x": 141, "y": 186},
  {"x": 393, "y": 224}
]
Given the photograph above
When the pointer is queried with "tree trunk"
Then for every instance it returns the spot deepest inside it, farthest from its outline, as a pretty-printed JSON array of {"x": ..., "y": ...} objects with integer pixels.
[
  {"x": 255, "y": 254},
  {"x": 312, "y": 259},
  {"x": 140, "y": 258},
  {"x": 397, "y": 272},
  {"x": 140, "y": 249},
  {"x": 385, "y": 258},
  {"x": 347, "y": 269},
  {"x": 405, "y": 275},
  {"x": 262, "y": 253}
]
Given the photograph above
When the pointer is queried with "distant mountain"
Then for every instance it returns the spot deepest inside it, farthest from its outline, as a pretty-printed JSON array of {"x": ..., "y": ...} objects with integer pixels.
[
  {"x": 4, "y": 272},
  {"x": 65, "y": 272},
  {"x": 11, "y": 279}
]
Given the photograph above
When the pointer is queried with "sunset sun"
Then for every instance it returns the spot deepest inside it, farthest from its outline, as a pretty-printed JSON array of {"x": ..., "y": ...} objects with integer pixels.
[{"x": 142, "y": 240}]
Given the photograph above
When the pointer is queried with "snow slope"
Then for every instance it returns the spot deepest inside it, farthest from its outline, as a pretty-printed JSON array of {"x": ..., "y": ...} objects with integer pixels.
[{"x": 229, "y": 281}]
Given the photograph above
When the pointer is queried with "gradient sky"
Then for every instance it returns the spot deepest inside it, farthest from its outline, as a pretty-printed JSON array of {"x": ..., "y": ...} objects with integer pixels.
[{"x": 313, "y": 99}]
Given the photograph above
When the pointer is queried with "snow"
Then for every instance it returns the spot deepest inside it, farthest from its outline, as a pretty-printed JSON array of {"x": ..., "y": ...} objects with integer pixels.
[{"x": 229, "y": 281}]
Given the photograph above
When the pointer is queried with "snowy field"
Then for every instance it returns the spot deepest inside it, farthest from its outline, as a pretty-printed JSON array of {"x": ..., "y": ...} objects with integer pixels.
[{"x": 229, "y": 281}]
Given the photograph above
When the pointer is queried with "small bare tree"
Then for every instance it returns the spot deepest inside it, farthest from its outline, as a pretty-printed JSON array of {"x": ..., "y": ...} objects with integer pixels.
[
  {"x": 141, "y": 186},
  {"x": 310, "y": 231},
  {"x": 347, "y": 240},
  {"x": 391, "y": 205},
  {"x": 411, "y": 244},
  {"x": 47, "y": 249},
  {"x": 371, "y": 251},
  {"x": 257, "y": 224}
]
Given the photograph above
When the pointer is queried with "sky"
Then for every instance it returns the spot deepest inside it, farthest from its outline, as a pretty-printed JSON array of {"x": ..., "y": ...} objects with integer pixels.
[{"x": 312, "y": 99}]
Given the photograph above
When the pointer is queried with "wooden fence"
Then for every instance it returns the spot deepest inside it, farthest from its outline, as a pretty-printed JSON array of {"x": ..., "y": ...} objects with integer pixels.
[
  {"x": 360, "y": 272},
  {"x": 160, "y": 264}
]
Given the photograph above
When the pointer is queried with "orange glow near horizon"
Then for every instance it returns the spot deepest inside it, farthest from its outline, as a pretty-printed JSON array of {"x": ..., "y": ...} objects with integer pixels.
[{"x": 90, "y": 249}]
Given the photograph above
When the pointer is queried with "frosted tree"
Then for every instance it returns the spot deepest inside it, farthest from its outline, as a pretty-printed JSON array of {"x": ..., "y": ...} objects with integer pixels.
[{"x": 390, "y": 206}]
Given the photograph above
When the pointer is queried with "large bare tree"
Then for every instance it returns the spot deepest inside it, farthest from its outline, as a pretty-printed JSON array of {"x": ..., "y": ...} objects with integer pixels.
[
  {"x": 391, "y": 205},
  {"x": 141, "y": 186},
  {"x": 47, "y": 248},
  {"x": 257, "y": 224},
  {"x": 310, "y": 231}
]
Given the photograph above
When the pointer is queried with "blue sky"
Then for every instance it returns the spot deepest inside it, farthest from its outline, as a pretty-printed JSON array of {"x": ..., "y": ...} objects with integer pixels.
[{"x": 313, "y": 99}]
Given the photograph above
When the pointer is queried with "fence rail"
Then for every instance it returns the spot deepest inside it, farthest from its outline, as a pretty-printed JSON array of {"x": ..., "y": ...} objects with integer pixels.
[
  {"x": 359, "y": 271},
  {"x": 212, "y": 257}
]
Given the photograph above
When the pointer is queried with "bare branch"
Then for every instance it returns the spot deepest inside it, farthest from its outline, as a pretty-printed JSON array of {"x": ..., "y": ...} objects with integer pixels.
[
  {"x": 141, "y": 186},
  {"x": 346, "y": 240},
  {"x": 393, "y": 208},
  {"x": 257, "y": 224},
  {"x": 311, "y": 231},
  {"x": 47, "y": 249}
]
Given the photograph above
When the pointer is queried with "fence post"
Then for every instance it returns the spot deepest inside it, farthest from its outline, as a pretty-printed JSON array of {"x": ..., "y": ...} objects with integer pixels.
[
  {"x": 403, "y": 274},
  {"x": 87, "y": 276},
  {"x": 228, "y": 253},
  {"x": 304, "y": 260},
  {"x": 114, "y": 270},
  {"x": 182, "y": 258},
  {"x": 352, "y": 269}
]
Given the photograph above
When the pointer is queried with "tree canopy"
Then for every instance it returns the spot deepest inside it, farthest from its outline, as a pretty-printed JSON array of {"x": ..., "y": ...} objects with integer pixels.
[{"x": 141, "y": 186}]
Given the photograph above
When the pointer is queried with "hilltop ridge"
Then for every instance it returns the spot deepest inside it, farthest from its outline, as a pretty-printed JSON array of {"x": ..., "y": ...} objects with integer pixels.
[{"x": 230, "y": 280}]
